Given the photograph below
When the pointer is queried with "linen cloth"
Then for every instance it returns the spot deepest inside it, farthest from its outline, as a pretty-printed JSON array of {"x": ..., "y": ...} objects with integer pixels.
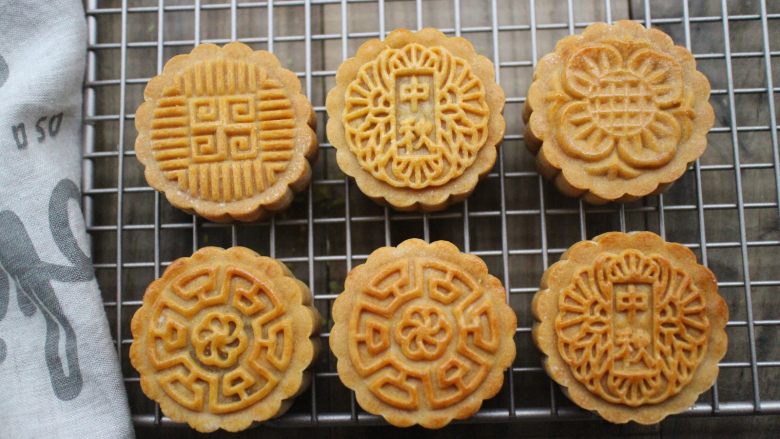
[{"x": 59, "y": 374}]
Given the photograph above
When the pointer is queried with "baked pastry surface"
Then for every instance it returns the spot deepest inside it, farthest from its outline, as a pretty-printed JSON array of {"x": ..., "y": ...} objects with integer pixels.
[
  {"x": 224, "y": 338},
  {"x": 225, "y": 133},
  {"x": 416, "y": 119},
  {"x": 632, "y": 327},
  {"x": 617, "y": 113},
  {"x": 422, "y": 333}
]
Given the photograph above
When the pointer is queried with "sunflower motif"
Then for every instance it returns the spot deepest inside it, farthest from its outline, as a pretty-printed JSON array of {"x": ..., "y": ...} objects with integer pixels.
[
  {"x": 617, "y": 113},
  {"x": 623, "y": 109}
]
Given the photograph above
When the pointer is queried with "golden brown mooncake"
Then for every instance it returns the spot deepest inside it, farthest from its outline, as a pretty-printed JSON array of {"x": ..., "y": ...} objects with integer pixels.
[
  {"x": 225, "y": 133},
  {"x": 224, "y": 338},
  {"x": 416, "y": 119},
  {"x": 632, "y": 327},
  {"x": 617, "y": 113},
  {"x": 422, "y": 333}
]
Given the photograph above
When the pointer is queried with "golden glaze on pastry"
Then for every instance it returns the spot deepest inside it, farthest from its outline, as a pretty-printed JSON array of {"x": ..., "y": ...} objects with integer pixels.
[
  {"x": 223, "y": 339},
  {"x": 416, "y": 119},
  {"x": 422, "y": 333},
  {"x": 617, "y": 113},
  {"x": 632, "y": 326},
  {"x": 226, "y": 133}
]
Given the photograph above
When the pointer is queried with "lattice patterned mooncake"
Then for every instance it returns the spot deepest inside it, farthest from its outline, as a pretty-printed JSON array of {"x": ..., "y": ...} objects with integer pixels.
[
  {"x": 416, "y": 119},
  {"x": 226, "y": 133},
  {"x": 617, "y": 113},
  {"x": 224, "y": 338},
  {"x": 422, "y": 333},
  {"x": 632, "y": 326}
]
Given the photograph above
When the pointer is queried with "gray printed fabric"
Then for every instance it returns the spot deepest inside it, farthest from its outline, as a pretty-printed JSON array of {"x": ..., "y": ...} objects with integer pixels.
[{"x": 59, "y": 374}]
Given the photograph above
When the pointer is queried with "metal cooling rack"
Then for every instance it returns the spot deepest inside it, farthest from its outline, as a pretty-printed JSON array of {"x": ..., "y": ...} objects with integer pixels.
[{"x": 135, "y": 233}]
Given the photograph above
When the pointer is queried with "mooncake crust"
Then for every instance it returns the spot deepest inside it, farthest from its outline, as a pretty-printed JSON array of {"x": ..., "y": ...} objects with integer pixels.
[
  {"x": 260, "y": 176},
  {"x": 446, "y": 308},
  {"x": 579, "y": 289},
  {"x": 375, "y": 58},
  {"x": 246, "y": 340},
  {"x": 658, "y": 104}
]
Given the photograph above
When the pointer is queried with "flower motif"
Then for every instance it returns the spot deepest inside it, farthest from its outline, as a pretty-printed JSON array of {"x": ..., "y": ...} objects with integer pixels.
[
  {"x": 623, "y": 109},
  {"x": 424, "y": 333},
  {"x": 617, "y": 113},
  {"x": 222, "y": 339},
  {"x": 219, "y": 339}
]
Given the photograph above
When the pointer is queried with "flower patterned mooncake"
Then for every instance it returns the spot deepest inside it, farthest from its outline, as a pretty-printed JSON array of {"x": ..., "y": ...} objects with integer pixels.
[
  {"x": 422, "y": 333},
  {"x": 617, "y": 113},
  {"x": 223, "y": 339}
]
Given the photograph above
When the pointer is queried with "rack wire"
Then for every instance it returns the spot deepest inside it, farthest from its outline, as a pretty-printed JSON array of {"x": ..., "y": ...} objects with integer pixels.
[{"x": 725, "y": 208}]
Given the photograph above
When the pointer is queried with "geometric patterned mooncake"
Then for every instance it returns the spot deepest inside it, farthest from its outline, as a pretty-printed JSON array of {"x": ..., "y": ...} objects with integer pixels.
[
  {"x": 226, "y": 133},
  {"x": 617, "y": 113},
  {"x": 416, "y": 118},
  {"x": 631, "y": 326},
  {"x": 224, "y": 338},
  {"x": 422, "y": 333}
]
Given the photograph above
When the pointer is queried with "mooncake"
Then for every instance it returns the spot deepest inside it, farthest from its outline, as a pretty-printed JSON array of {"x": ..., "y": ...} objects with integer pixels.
[
  {"x": 632, "y": 327},
  {"x": 617, "y": 113},
  {"x": 422, "y": 333},
  {"x": 224, "y": 338},
  {"x": 416, "y": 119},
  {"x": 224, "y": 132}
]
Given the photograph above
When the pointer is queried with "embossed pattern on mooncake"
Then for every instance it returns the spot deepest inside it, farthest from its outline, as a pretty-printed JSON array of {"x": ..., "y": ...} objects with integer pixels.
[
  {"x": 632, "y": 327},
  {"x": 416, "y": 119},
  {"x": 617, "y": 113},
  {"x": 223, "y": 338},
  {"x": 223, "y": 139},
  {"x": 225, "y": 132},
  {"x": 639, "y": 314},
  {"x": 415, "y": 116},
  {"x": 422, "y": 333}
]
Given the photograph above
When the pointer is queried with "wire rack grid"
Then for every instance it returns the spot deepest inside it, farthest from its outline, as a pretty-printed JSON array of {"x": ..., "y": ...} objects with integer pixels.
[{"x": 725, "y": 208}]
